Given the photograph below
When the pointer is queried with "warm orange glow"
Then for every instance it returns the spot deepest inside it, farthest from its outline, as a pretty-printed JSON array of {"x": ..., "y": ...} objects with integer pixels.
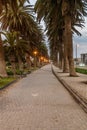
[
  {"x": 41, "y": 57},
  {"x": 35, "y": 53},
  {"x": 46, "y": 60}
]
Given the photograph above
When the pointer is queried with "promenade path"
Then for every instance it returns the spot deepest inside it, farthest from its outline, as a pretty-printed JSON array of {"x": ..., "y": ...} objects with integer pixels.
[{"x": 40, "y": 102}]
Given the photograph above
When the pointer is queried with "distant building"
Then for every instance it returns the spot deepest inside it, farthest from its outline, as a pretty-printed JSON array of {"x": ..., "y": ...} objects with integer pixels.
[
  {"x": 77, "y": 61},
  {"x": 84, "y": 58}
]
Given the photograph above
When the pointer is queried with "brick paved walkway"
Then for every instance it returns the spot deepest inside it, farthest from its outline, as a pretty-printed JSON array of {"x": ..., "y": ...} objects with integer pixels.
[
  {"x": 79, "y": 84},
  {"x": 40, "y": 102}
]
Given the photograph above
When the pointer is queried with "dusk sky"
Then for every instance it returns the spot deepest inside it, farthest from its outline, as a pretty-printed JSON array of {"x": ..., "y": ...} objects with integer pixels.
[{"x": 80, "y": 40}]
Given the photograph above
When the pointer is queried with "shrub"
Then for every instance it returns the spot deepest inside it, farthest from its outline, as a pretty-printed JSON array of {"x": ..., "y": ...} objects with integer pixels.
[
  {"x": 9, "y": 72},
  {"x": 19, "y": 72}
]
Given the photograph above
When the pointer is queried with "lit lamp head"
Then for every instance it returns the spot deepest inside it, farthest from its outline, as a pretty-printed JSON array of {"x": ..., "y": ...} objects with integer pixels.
[
  {"x": 41, "y": 58},
  {"x": 45, "y": 60},
  {"x": 35, "y": 53}
]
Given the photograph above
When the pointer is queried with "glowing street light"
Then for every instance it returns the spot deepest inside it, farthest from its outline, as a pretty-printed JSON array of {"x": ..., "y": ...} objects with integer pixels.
[
  {"x": 41, "y": 58},
  {"x": 35, "y": 53},
  {"x": 45, "y": 60},
  {"x": 35, "y": 59}
]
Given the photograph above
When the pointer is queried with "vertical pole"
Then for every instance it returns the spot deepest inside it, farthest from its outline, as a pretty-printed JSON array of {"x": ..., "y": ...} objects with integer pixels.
[
  {"x": 35, "y": 61},
  {"x": 76, "y": 54}
]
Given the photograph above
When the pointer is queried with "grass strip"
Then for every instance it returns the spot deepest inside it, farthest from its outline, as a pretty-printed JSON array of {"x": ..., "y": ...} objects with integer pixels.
[
  {"x": 80, "y": 70},
  {"x": 5, "y": 81}
]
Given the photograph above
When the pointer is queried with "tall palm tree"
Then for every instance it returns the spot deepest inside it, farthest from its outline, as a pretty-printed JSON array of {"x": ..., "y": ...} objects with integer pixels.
[
  {"x": 23, "y": 21},
  {"x": 2, "y": 59},
  {"x": 15, "y": 48},
  {"x": 4, "y": 3},
  {"x": 20, "y": 19},
  {"x": 68, "y": 9}
]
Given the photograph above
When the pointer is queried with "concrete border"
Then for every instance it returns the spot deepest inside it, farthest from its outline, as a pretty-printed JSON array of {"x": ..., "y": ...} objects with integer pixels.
[{"x": 76, "y": 96}]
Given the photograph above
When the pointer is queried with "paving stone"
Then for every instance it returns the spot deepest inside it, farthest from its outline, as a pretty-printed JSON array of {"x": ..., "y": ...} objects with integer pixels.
[{"x": 40, "y": 102}]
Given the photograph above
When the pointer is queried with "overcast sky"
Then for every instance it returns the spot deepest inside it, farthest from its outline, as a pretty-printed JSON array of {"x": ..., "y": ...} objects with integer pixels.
[
  {"x": 32, "y": 1},
  {"x": 80, "y": 40}
]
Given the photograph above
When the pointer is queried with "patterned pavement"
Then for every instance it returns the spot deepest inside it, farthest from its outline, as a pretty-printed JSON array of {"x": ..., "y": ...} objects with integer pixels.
[{"x": 40, "y": 102}]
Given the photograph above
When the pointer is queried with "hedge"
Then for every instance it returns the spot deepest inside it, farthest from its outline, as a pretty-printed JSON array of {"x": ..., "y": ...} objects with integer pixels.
[{"x": 80, "y": 70}]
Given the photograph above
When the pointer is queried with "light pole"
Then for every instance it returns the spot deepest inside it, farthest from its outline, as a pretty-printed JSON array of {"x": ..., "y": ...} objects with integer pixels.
[
  {"x": 77, "y": 45},
  {"x": 76, "y": 53},
  {"x": 41, "y": 59},
  {"x": 35, "y": 58}
]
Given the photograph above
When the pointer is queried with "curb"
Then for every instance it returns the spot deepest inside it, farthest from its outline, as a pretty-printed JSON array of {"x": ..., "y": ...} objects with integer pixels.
[{"x": 76, "y": 96}]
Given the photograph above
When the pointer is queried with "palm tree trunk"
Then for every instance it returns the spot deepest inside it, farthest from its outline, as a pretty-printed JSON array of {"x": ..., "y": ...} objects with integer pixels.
[
  {"x": 13, "y": 64},
  {"x": 13, "y": 68},
  {"x": 60, "y": 48},
  {"x": 66, "y": 63},
  {"x": 68, "y": 36},
  {"x": 68, "y": 42},
  {"x": 28, "y": 61},
  {"x": 3, "y": 72},
  {"x": 20, "y": 63},
  {"x": 55, "y": 59},
  {"x": 2, "y": 61},
  {"x": 61, "y": 56}
]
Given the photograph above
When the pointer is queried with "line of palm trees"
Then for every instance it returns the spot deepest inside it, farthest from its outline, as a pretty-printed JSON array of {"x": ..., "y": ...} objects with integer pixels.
[
  {"x": 61, "y": 18},
  {"x": 22, "y": 33}
]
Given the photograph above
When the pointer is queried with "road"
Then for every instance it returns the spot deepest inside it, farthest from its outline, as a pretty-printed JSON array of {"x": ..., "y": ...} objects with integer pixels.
[{"x": 40, "y": 102}]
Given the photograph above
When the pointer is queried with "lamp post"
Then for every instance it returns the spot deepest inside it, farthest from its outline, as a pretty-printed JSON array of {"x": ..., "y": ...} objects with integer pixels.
[
  {"x": 77, "y": 45},
  {"x": 76, "y": 54},
  {"x": 41, "y": 59},
  {"x": 35, "y": 58}
]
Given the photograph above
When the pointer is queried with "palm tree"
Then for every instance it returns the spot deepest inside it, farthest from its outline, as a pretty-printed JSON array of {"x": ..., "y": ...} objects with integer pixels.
[
  {"x": 2, "y": 60},
  {"x": 54, "y": 26},
  {"x": 67, "y": 9},
  {"x": 15, "y": 48},
  {"x": 11, "y": 2},
  {"x": 20, "y": 19},
  {"x": 23, "y": 21}
]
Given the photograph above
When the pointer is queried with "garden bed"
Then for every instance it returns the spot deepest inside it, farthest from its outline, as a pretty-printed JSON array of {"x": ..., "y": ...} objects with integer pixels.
[{"x": 6, "y": 81}]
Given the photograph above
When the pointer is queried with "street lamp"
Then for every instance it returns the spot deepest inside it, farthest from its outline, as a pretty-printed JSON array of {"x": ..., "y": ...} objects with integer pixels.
[
  {"x": 41, "y": 60},
  {"x": 35, "y": 59},
  {"x": 35, "y": 53},
  {"x": 77, "y": 45}
]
